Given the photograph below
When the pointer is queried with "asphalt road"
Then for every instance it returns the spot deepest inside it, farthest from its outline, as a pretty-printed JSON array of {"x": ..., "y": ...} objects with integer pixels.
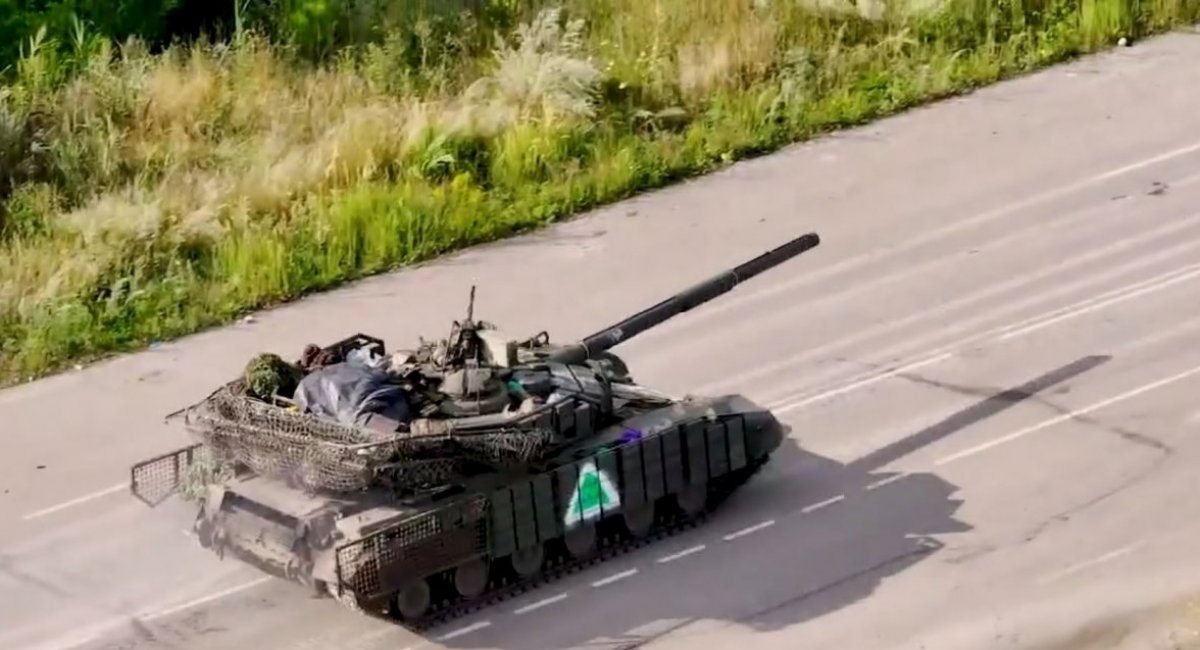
[{"x": 990, "y": 366}]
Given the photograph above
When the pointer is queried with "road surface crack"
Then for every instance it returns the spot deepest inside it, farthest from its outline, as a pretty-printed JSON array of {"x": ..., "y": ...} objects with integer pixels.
[
  {"x": 8, "y": 567},
  {"x": 641, "y": 641},
  {"x": 1013, "y": 396},
  {"x": 1066, "y": 515},
  {"x": 968, "y": 553},
  {"x": 922, "y": 549}
]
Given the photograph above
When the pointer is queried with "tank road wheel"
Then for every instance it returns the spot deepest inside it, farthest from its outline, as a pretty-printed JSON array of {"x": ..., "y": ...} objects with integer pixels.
[
  {"x": 527, "y": 562},
  {"x": 693, "y": 499},
  {"x": 471, "y": 577},
  {"x": 581, "y": 541},
  {"x": 639, "y": 519},
  {"x": 412, "y": 601}
]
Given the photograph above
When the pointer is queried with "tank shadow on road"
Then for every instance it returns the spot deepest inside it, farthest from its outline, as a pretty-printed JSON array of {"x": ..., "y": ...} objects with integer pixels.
[{"x": 807, "y": 565}]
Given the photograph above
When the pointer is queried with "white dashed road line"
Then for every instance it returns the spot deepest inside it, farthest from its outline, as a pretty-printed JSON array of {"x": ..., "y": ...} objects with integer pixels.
[
  {"x": 822, "y": 504},
  {"x": 206, "y": 599},
  {"x": 1076, "y": 568},
  {"x": 474, "y": 627},
  {"x": 613, "y": 578},
  {"x": 887, "y": 481},
  {"x": 684, "y": 553},
  {"x": 74, "y": 502},
  {"x": 480, "y": 625},
  {"x": 80, "y": 637},
  {"x": 540, "y": 604},
  {"x": 807, "y": 509},
  {"x": 1112, "y": 555},
  {"x": 750, "y": 529}
]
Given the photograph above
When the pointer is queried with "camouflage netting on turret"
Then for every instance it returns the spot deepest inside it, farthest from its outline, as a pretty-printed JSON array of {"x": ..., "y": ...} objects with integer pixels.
[{"x": 318, "y": 453}]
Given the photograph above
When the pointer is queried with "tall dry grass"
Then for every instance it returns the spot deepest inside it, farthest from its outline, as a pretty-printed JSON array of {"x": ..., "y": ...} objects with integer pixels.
[{"x": 145, "y": 196}]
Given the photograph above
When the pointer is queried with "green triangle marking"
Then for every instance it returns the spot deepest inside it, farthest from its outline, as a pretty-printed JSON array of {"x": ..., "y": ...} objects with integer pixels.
[{"x": 594, "y": 493}]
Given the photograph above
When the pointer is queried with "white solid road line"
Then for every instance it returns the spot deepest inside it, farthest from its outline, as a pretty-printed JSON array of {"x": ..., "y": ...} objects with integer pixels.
[
  {"x": 1006, "y": 332},
  {"x": 862, "y": 383},
  {"x": 972, "y": 298},
  {"x": 1068, "y": 416},
  {"x": 1105, "y": 298},
  {"x": 957, "y": 226},
  {"x": 1157, "y": 284},
  {"x": 1076, "y": 568},
  {"x": 74, "y": 502}
]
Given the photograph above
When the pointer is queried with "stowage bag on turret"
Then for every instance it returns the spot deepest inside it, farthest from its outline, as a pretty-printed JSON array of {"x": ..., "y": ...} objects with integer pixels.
[{"x": 349, "y": 392}]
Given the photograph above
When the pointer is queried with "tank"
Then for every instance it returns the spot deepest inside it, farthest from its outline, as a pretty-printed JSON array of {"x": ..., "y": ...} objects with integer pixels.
[{"x": 423, "y": 483}]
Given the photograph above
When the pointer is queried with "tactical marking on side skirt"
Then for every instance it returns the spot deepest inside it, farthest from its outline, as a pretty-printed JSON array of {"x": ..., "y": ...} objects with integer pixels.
[{"x": 593, "y": 493}]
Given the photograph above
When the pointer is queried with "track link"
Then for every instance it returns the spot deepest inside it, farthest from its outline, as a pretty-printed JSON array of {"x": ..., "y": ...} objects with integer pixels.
[{"x": 501, "y": 589}]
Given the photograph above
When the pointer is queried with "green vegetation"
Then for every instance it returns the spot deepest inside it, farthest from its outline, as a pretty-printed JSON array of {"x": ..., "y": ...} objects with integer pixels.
[{"x": 147, "y": 194}]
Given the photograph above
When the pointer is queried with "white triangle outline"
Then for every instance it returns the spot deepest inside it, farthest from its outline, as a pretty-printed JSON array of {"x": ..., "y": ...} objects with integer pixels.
[{"x": 607, "y": 489}]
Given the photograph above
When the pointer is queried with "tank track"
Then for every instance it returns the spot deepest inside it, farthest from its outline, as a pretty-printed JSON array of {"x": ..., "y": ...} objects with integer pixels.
[{"x": 559, "y": 565}]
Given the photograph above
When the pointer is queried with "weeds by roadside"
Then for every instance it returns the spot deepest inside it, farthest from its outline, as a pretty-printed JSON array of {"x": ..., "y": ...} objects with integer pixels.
[{"x": 147, "y": 196}]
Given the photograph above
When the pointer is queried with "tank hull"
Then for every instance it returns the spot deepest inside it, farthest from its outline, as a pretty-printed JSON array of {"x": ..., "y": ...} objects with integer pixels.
[{"x": 643, "y": 478}]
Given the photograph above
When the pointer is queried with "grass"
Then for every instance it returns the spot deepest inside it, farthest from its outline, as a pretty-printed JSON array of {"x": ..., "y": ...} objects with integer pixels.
[{"x": 146, "y": 196}]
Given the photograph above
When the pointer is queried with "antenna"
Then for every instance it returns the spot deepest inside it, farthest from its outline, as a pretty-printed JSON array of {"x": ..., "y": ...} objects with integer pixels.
[{"x": 471, "y": 306}]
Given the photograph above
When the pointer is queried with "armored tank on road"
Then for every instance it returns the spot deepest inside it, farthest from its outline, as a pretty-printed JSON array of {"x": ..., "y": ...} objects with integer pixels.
[{"x": 425, "y": 483}]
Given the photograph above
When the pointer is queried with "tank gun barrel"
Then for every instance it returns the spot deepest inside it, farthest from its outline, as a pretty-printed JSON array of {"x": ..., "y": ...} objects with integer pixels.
[{"x": 690, "y": 298}]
